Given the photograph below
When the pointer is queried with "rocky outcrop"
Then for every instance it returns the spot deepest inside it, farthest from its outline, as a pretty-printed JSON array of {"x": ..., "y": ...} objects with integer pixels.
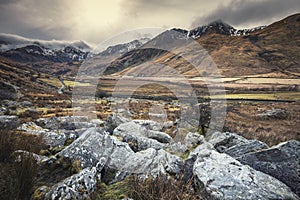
[
  {"x": 281, "y": 161},
  {"x": 220, "y": 176}
]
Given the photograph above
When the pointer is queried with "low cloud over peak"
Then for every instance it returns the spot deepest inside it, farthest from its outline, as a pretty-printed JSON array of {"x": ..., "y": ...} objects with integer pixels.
[{"x": 250, "y": 13}]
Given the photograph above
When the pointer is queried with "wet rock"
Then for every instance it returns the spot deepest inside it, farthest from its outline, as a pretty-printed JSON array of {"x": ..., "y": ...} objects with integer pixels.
[
  {"x": 193, "y": 139},
  {"x": 78, "y": 186},
  {"x": 281, "y": 161},
  {"x": 9, "y": 122},
  {"x": 274, "y": 114},
  {"x": 220, "y": 176}
]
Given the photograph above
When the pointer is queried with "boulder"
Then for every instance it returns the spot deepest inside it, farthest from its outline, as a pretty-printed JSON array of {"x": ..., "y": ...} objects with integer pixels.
[
  {"x": 9, "y": 122},
  {"x": 241, "y": 149},
  {"x": 281, "y": 161},
  {"x": 220, "y": 176},
  {"x": 177, "y": 148},
  {"x": 150, "y": 162},
  {"x": 114, "y": 120},
  {"x": 234, "y": 145},
  {"x": 159, "y": 136},
  {"x": 52, "y": 138},
  {"x": 142, "y": 143},
  {"x": 137, "y": 130},
  {"x": 95, "y": 144},
  {"x": 193, "y": 139},
  {"x": 274, "y": 114},
  {"x": 78, "y": 186}
]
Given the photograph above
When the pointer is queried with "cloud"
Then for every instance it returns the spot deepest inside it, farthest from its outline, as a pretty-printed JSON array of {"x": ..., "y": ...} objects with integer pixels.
[{"x": 243, "y": 13}]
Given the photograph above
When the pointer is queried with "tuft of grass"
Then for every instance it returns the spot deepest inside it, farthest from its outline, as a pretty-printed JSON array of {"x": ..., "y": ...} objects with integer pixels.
[
  {"x": 18, "y": 175},
  {"x": 151, "y": 188}
]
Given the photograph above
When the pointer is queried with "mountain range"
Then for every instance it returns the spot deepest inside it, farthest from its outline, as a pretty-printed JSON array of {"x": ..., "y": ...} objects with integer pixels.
[{"x": 272, "y": 50}]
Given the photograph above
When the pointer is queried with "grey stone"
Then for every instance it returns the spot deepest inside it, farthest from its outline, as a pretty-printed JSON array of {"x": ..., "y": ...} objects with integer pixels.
[
  {"x": 177, "y": 148},
  {"x": 69, "y": 122},
  {"x": 78, "y": 186},
  {"x": 114, "y": 120},
  {"x": 9, "y": 122},
  {"x": 220, "y": 176},
  {"x": 53, "y": 138},
  {"x": 142, "y": 143},
  {"x": 193, "y": 139},
  {"x": 150, "y": 125},
  {"x": 234, "y": 145},
  {"x": 281, "y": 161},
  {"x": 95, "y": 144},
  {"x": 134, "y": 129},
  {"x": 159, "y": 136},
  {"x": 241, "y": 149},
  {"x": 150, "y": 162},
  {"x": 223, "y": 141}
]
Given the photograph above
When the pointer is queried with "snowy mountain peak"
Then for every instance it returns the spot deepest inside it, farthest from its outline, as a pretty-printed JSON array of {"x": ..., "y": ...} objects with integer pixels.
[{"x": 220, "y": 27}]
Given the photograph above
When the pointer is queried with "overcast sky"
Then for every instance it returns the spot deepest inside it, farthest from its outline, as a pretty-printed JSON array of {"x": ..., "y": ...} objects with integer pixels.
[{"x": 97, "y": 20}]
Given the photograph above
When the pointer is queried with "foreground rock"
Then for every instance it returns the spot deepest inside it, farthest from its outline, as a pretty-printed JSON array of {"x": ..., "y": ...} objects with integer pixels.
[
  {"x": 151, "y": 162},
  {"x": 281, "y": 161},
  {"x": 96, "y": 144},
  {"x": 220, "y": 176},
  {"x": 78, "y": 186}
]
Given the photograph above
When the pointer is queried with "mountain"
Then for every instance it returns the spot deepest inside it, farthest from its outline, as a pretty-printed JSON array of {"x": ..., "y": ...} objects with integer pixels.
[{"x": 271, "y": 49}]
